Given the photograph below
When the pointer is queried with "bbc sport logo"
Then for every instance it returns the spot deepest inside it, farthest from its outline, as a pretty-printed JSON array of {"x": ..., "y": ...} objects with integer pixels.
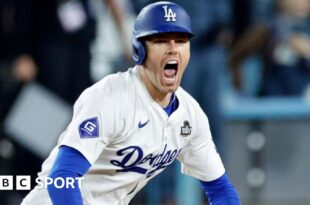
[{"x": 23, "y": 182}]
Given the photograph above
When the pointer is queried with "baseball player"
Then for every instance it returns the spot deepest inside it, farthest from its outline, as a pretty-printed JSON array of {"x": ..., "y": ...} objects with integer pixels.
[{"x": 130, "y": 126}]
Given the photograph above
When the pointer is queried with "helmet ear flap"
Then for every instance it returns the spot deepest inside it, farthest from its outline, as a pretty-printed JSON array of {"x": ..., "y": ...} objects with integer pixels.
[{"x": 139, "y": 51}]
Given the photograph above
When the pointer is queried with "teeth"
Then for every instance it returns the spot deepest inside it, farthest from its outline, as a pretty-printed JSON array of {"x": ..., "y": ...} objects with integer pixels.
[
  {"x": 172, "y": 62},
  {"x": 171, "y": 78}
]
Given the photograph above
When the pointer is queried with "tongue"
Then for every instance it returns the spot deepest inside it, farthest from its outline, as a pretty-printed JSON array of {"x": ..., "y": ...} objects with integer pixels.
[{"x": 169, "y": 72}]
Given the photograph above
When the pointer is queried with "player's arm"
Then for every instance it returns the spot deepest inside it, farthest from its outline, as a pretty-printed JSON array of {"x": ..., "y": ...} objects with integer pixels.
[
  {"x": 221, "y": 191},
  {"x": 70, "y": 163}
]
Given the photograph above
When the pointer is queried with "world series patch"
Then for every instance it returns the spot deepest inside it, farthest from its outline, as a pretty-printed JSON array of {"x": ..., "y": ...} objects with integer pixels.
[{"x": 186, "y": 129}]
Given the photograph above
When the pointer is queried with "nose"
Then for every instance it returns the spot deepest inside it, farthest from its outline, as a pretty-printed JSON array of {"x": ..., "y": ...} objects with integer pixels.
[{"x": 172, "y": 47}]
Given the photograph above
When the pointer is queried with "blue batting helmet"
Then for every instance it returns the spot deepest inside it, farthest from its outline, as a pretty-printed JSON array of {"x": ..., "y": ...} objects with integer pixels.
[{"x": 155, "y": 18}]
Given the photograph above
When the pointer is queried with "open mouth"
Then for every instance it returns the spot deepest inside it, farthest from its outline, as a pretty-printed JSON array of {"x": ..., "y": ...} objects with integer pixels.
[{"x": 170, "y": 71}]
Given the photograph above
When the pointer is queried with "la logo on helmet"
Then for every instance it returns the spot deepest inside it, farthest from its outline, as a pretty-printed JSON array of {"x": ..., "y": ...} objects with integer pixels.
[{"x": 169, "y": 14}]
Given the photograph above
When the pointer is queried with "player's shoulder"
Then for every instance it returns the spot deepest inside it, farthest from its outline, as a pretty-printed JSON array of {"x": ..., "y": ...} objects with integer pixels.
[
  {"x": 186, "y": 99},
  {"x": 112, "y": 87}
]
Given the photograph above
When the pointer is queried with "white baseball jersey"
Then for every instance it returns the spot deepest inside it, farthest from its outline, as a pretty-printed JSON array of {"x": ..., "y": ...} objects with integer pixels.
[{"x": 128, "y": 138}]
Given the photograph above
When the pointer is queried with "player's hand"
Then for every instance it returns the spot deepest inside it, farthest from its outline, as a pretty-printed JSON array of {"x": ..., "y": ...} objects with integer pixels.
[
  {"x": 301, "y": 44},
  {"x": 24, "y": 68}
]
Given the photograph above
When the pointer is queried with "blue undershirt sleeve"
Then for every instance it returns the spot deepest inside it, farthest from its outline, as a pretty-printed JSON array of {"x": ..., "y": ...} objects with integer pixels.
[
  {"x": 221, "y": 191},
  {"x": 69, "y": 163}
]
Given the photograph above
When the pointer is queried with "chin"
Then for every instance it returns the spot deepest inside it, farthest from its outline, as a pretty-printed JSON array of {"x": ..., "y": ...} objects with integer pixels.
[{"x": 172, "y": 89}]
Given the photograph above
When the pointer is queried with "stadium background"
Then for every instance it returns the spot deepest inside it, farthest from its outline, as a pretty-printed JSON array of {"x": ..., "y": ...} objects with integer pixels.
[{"x": 263, "y": 140}]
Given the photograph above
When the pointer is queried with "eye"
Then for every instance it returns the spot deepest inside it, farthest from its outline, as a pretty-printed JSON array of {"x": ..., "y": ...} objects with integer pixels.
[
  {"x": 181, "y": 40},
  {"x": 160, "y": 40}
]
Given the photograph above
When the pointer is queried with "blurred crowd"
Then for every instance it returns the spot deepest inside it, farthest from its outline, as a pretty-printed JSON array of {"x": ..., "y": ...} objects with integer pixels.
[{"x": 67, "y": 45}]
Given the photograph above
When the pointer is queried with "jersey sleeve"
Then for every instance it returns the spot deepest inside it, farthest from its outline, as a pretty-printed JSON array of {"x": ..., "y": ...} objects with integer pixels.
[
  {"x": 199, "y": 158},
  {"x": 93, "y": 124}
]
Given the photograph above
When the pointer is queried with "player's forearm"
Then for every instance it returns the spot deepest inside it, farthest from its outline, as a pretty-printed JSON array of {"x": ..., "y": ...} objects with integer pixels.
[
  {"x": 221, "y": 192},
  {"x": 70, "y": 164},
  {"x": 70, "y": 195}
]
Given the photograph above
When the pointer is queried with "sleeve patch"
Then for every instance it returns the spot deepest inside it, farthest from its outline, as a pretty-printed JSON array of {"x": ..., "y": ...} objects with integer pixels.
[{"x": 89, "y": 128}]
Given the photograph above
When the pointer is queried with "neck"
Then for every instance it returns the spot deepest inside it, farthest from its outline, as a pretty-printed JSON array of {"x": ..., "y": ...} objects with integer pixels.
[{"x": 161, "y": 98}]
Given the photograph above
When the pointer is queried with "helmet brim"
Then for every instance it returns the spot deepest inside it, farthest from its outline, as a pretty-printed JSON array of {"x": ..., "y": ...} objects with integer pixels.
[{"x": 163, "y": 29}]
